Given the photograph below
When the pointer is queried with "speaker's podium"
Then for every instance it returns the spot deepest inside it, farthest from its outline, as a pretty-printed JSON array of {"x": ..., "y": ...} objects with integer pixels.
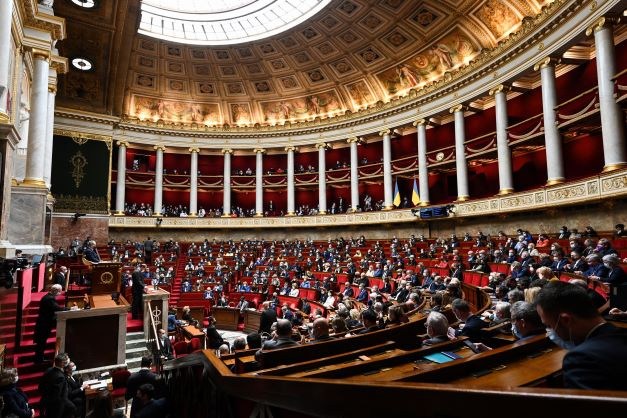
[{"x": 95, "y": 338}]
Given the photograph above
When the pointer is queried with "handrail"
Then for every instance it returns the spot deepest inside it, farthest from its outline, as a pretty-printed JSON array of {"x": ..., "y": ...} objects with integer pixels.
[
  {"x": 579, "y": 96},
  {"x": 525, "y": 121},
  {"x": 619, "y": 74}
]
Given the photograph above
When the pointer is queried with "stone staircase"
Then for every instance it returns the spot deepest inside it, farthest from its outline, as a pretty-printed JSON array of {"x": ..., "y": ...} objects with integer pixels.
[{"x": 135, "y": 350}]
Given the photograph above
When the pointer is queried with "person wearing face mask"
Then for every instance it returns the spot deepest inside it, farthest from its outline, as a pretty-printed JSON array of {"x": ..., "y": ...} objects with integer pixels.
[
  {"x": 596, "y": 269},
  {"x": 76, "y": 388},
  {"x": 616, "y": 275},
  {"x": 578, "y": 263},
  {"x": 525, "y": 321},
  {"x": 564, "y": 233},
  {"x": 14, "y": 399},
  {"x": 596, "y": 349},
  {"x": 559, "y": 262},
  {"x": 53, "y": 387}
]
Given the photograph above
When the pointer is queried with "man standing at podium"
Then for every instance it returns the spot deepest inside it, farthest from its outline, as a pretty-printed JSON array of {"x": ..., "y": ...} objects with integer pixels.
[
  {"x": 46, "y": 321},
  {"x": 139, "y": 288}
]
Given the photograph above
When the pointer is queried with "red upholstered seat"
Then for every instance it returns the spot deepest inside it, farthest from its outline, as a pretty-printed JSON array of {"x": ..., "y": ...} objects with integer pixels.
[
  {"x": 194, "y": 345},
  {"x": 180, "y": 349},
  {"x": 119, "y": 378}
]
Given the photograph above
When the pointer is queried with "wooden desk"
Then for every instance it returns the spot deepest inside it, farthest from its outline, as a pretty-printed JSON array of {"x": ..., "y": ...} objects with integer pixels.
[
  {"x": 190, "y": 331},
  {"x": 226, "y": 318},
  {"x": 252, "y": 320},
  {"x": 102, "y": 301}
]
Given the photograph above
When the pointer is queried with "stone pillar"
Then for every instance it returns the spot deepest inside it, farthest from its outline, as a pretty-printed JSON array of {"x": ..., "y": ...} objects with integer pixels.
[
  {"x": 120, "y": 185},
  {"x": 226, "y": 198},
  {"x": 388, "y": 193},
  {"x": 460, "y": 154},
  {"x": 38, "y": 121},
  {"x": 52, "y": 93},
  {"x": 290, "y": 181},
  {"x": 259, "y": 183},
  {"x": 8, "y": 141},
  {"x": 6, "y": 15},
  {"x": 322, "y": 178},
  {"x": 423, "y": 171},
  {"x": 193, "y": 181},
  {"x": 552, "y": 138},
  {"x": 612, "y": 120},
  {"x": 354, "y": 174},
  {"x": 158, "y": 181},
  {"x": 506, "y": 176}
]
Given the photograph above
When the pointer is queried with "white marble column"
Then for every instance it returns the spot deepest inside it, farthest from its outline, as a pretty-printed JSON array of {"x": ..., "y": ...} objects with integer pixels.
[
  {"x": 37, "y": 128},
  {"x": 612, "y": 119},
  {"x": 460, "y": 154},
  {"x": 259, "y": 182},
  {"x": 354, "y": 174},
  {"x": 6, "y": 14},
  {"x": 322, "y": 178},
  {"x": 291, "y": 200},
  {"x": 193, "y": 181},
  {"x": 423, "y": 171},
  {"x": 159, "y": 181},
  {"x": 226, "y": 197},
  {"x": 552, "y": 137},
  {"x": 388, "y": 193},
  {"x": 506, "y": 176},
  {"x": 120, "y": 185},
  {"x": 52, "y": 93}
]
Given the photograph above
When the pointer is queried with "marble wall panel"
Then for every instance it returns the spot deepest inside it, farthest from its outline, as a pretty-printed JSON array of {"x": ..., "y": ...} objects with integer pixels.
[
  {"x": 64, "y": 229},
  {"x": 27, "y": 216}
]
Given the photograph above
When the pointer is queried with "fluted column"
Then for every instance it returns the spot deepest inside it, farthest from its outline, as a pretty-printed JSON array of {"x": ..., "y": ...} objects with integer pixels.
[
  {"x": 120, "y": 185},
  {"x": 612, "y": 121},
  {"x": 290, "y": 181},
  {"x": 37, "y": 128},
  {"x": 460, "y": 154},
  {"x": 193, "y": 181},
  {"x": 552, "y": 137},
  {"x": 423, "y": 171},
  {"x": 354, "y": 174},
  {"x": 226, "y": 197},
  {"x": 6, "y": 14},
  {"x": 506, "y": 176},
  {"x": 259, "y": 183},
  {"x": 322, "y": 178},
  {"x": 159, "y": 181},
  {"x": 388, "y": 193},
  {"x": 52, "y": 93}
]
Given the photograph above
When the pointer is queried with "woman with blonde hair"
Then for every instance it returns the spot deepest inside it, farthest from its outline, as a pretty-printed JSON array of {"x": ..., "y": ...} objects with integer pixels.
[{"x": 531, "y": 294}]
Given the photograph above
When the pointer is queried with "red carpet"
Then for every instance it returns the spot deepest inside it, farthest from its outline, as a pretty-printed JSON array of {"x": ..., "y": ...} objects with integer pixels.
[{"x": 134, "y": 325}]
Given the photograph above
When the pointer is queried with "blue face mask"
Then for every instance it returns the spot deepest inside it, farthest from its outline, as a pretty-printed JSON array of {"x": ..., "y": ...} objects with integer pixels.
[
  {"x": 557, "y": 340},
  {"x": 516, "y": 332}
]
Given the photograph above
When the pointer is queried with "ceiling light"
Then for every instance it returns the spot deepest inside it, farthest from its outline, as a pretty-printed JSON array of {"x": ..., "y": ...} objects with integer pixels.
[
  {"x": 82, "y": 64},
  {"x": 86, "y": 4}
]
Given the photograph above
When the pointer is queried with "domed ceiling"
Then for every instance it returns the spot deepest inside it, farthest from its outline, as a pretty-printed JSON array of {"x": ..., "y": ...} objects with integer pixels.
[{"x": 348, "y": 55}]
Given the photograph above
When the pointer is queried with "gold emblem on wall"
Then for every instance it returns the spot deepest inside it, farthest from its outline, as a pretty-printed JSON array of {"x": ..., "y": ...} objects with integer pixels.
[
  {"x": 79, "y": 162},
  {"x": 106, "y": 278}
]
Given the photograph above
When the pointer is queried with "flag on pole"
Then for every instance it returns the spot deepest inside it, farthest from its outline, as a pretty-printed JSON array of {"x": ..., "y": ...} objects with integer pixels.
[
  {"x": 397, "y": 195},
  {"x": 415, "y": 195}
]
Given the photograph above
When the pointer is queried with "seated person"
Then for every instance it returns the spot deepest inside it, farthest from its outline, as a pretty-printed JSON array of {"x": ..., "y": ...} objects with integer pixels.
[
  {"x": 616, "y": 275},
  {"x": 525, "y": 321},
  {"x": 281, "y": 338},
  {"x": 320, "y": 331},
  {"x": 91, "y": 253},
  {"x": 369, "y": 319},
  {"x": 363, "y": 294},
  {"x": 437, "y": 328},
  {"x": 329, "y": 303},
  {"x": 502, "y": 313},
  {"x": 472, "y": 323},
  {"x": 596, "y": 349},
  {"x": 595, "y": 296},
  {"x": 596, "y": 269},
  {"x": 294, "y": 292}
]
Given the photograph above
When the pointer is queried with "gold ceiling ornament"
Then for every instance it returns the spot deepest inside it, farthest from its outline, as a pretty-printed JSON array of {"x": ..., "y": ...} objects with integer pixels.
[
  {"x": 227, "y": 151},
  {"x": 43, "y": 21},
  {"x": 79, "y": 162},
  {"x": 82, "y": 137}
]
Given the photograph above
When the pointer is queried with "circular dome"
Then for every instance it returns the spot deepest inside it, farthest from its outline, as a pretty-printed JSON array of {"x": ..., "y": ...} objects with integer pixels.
[{"x": 223, "y": 22}]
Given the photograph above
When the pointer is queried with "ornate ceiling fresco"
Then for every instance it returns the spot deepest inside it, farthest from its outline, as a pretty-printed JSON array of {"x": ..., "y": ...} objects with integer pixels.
[{"x": 350, "y": 55}]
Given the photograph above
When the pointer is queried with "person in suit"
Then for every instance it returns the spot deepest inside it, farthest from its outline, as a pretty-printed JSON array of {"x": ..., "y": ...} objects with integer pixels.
[
  {"x": 53, "y": 388},
  {"x": 14, "y": 399},
  {"x": 281, "y": 339},
  {"x": 268, "y": 317},
  {"x": 148, "y": 247},
  {"x": 151, "y": 407},
  {"x": 559, "y": 262},
  {"x": 437, "y": 328},
  {"x": 215, "y": 339},
  {"x": 578, "y": 263},
  {"x": 526, "y": 322},
  {"x": 76, "y": 388},
  {"x": 46, "y": 320},
  {"x": 363, "y": 294},
  {"x": 91, "y": 253},
  {"x": 137, "y": 379},
  {"x": 165, "y": 345},
  {"x": 138, "y": 289},
  {"x": 616, "y": 275},
  {"x": 242, "y": 305},
  {"x": 60, "y": 276},
  {"x": 472, "y": 323},
  {"x": 348, "y": 290},
  {"x": 369, "y": 319},
  {"x": 596, "y": 269},
  {"x": 596, "y": 349}
]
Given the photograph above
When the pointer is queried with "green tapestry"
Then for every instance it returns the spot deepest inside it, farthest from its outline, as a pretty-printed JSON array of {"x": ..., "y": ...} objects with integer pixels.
[{"x": 80, "y": 175}]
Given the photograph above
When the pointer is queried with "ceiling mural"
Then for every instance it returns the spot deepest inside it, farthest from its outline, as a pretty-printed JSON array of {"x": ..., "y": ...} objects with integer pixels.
[{"x": 351, "y": 55}]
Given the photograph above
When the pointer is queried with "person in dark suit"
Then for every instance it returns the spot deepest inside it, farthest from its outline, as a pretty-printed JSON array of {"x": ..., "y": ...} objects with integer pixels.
[
  {"x": 616, "y": 275},
  {"x": 148, "y": 247},
  {"x": 135, "y": 381},
  {"x": 282, "y": 338},
  {"x": 472, "y": 323},
  {"x": 165, "y": 346},
  {"x": 348, "y": 290},
  {"x": 151, "y": 407},
  {"x": 91, "y": 253},
  {"x": 369, "y": 319},
  {"x": 596, "y": 349},
  {"x": 54, "y": 390},
  {"x": 138, "y": 290},
  {"x": 14, "y": 399},
  {"x": 596, "y": 269},
  {"x": 363, "y": 294},
  {"x": 60, "y": 276},
  {"x": 268, "y": 317},
  {"x": 578, "y": 263},
  {"x": 215, "y": 339},
  {"x": 76, "y": 388},
  {"x": 46, "y": 320},
  {"x": 437, "y": 328}
]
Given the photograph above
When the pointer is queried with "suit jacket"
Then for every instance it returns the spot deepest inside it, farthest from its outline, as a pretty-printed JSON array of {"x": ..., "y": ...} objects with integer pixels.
[
  {"x": 138, "y": 283},
  {"x": 54, "y": 394},
  {"x": 280, "y": 342},
  {"x": 598, "y": 270},
  {"x": 155, "y": 408},
  {"x": 59, "y": 278},
  {"x": 268, "y": 317},
  {"x": 363, "y": 296},
  {"x": 47, "y": 318},
  {"x": 598, "y": 362},
  {"x": 91, "y": 255},
  {"x": 215, "y": 339},
  {"x": 349, "y": 292},
  {"x": 436, "y": 340},
  {"x": 166, "y": 348},
  {"x": 559, "y": 265},
  {"x": 15, "y": 402},
  {"x": 616, "y": 277},
  {"x": 472, "y": 328}
]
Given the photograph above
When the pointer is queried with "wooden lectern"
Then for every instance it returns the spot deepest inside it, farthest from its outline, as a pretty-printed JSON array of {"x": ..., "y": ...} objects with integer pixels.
[{"x": 105, "y": 278}]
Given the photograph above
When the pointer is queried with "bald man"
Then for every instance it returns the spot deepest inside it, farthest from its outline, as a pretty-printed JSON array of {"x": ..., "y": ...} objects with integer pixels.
[{"x": 320, "y": 330}]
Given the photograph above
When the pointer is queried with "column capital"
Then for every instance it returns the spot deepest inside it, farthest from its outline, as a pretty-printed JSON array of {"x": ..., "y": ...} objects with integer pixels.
[
  {"x": 501, "y": 88},
  {"x": 353, "y": 139},
  {"x": 122, "y": 143},
  {"x": 41, "y": 54},
  {"x": 458, "y": 108},
  {"x": 420, "y": 122},
  {"x": 194, "y": 150},
  {"x": 323, "y": 145},
  {"x": 545, "y": 62},
  {"x": 290, "y": 148},
  {"x": 159, "y": 147},
  {"x": 259, "y": 151},
  {"x": 52, "y": 89},
  {"x": 227, "y": 151},
  {"x": 602, "y": 23},
  {"x": 385, "y": 132}
]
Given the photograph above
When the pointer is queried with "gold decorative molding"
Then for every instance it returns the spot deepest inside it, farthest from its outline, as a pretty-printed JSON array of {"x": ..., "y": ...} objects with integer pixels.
[
  {"x": 52, "y": 89},
  {"x": 59, "y": 64},
  {"x": 322, "y": 145},
  {"x": 457, "y": 108},
  {"x": 4, "y": 117},
  {"x": 500, "y": 88},
  {"x": 614, "y": 167},
  {"x": 40, "y": 54},
  {"x": 159, "y": 148},
  {"x": 38, "y": 183},
  {"x": 259, "y": 150},
  {"x": 290, "y": 148},
  {"x": 546, "y": 62},
  {"x": 419, "y": 122},
  {"x": 194, "y": 150},
  {"x": 353, "y": 139},
  {"x": 42, "y": 21},
  {"x": 601, "y": 23},
  {"x": 82, "y": 137},
  {"x": 385, "y": 132},
  {"x": 122, "y": 143}
]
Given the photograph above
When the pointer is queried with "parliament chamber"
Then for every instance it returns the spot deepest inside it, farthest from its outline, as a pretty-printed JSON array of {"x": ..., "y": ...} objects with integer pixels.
[{"x": 298, "y": 208}]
